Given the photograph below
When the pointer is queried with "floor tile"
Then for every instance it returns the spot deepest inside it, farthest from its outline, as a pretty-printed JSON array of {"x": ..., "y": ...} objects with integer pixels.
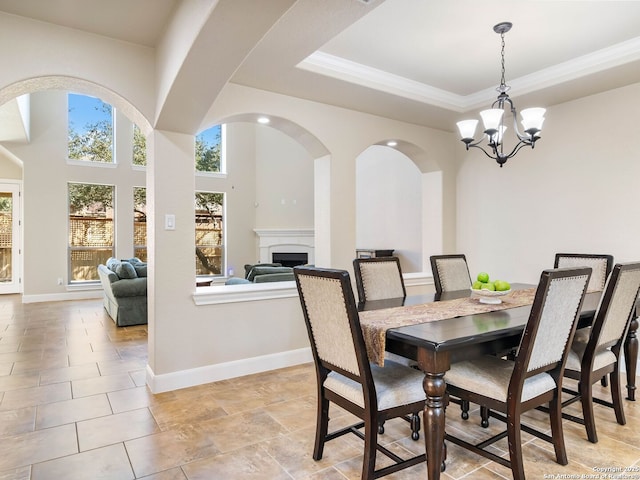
[
  {"x": 248, "y": 463},
  {"x": 93, "y": 386},
  {"x": 166, "y": 450},
  {"x": 70, "y": 411},
  {"x": 38, "y": 446},
  {"x": 26, "y": 397},
  {"x": 108, "y": 463},
  {"x": 116, "y": 428}
]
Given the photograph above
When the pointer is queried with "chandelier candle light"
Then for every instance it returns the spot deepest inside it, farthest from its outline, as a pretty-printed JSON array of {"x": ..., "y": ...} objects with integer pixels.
[{"x": 493, "y": 119}]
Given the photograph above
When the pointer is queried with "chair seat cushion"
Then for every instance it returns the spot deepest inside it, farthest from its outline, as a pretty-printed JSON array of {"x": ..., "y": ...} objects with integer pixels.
[
  {"x": 578, "y": 347},
  {"x": 490, "y": 376},
  {"x": 395, "y": 385}
]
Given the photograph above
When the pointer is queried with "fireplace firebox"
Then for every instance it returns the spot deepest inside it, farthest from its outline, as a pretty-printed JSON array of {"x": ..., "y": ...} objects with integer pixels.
[{"x": 290, "y": 259}]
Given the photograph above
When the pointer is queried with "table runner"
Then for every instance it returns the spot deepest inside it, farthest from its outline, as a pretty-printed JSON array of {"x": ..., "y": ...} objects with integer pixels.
[{"x": 375, "y": 323}]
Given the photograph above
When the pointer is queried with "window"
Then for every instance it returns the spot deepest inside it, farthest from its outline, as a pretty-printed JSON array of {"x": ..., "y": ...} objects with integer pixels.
[
  {"x": 209, "y": 150},
  {"x": 140, "y": 223},
  {"x": 90, "y": 129},
  {"x": 91, "y": 224},
  {"x": 6, "y": 236},
  {"x": 209, "y": 211},
  {"x": 139, "y": 147}
]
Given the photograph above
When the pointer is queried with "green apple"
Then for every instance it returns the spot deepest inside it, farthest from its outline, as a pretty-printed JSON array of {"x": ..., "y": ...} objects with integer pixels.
[
  {"x": 483, "y": 277},
  {"x": 489, "y": 286},
  {"x": 477, "y": 285},
  {"x": 502, "y": 286}
]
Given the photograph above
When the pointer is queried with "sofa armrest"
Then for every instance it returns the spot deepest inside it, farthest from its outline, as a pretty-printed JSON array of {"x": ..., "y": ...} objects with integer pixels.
[
  {"x": 107, "y": 276},
  {"x": 130, "y": 287}
]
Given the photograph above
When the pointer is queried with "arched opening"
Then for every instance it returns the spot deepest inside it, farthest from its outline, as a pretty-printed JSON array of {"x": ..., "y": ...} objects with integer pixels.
[
  {"x": 269, "y": 191},
  {"x": 399, "y": 203}
]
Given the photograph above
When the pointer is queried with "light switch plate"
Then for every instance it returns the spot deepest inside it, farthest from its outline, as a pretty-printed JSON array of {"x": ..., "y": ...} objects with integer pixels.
[{"x": 169, "y": 222}]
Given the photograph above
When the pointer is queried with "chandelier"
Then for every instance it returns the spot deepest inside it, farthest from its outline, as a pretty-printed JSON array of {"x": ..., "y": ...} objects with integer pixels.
[{"x": 493, "y": 119}]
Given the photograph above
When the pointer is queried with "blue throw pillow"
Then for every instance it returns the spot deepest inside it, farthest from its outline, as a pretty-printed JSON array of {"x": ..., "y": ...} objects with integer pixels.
[
  {"x": 126, "y": 270},
  {"x": 112, "y": 264},
  {"x": 132, "y": 261},
  {"x": 141, "y": 269}
]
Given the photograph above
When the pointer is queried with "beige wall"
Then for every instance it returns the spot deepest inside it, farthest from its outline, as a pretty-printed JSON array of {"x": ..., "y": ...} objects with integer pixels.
[
  {"x": 576, "y": 192},
  {"x": 389, "y": 205}
]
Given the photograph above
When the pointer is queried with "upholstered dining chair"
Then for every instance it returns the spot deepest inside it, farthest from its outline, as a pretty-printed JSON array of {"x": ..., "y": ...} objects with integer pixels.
[
  {"x": 450, "y": 272},
  {"x": 510, "y": 387},
  {"x": 343, "y": 372},
  {"x": 595, "y": 351},
  {"x": 600, "y": 264},
  {"x": 379, "y": 278}
]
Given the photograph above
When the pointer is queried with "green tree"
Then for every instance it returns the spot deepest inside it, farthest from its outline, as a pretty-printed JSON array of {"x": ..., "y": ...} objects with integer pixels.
[
  {"x": 139, "y": 147},
  {"x": 96, "y": 143},
  {"x": 208, "y": 154},
  {"x": 211, "y": 203},
  {"x": 140, "y": 202},
  {"x": 86, "y": 197}
]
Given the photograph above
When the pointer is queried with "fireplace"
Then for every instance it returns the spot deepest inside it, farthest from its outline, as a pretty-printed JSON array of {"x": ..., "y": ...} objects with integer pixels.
[
  {"x": 298, "y": 242},
  {"x": 290, "y": 259}
]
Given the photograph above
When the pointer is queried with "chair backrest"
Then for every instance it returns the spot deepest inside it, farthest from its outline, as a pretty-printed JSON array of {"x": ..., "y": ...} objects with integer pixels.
[
  {"x": 379, "y": 278},
  {"x": 450, "y": 272},
  {"x": 333, "y": 325},
  {"x": 617, "y": 307},
  {"x": 600, "y": 264},
  {"x": 552, "y": 322}
]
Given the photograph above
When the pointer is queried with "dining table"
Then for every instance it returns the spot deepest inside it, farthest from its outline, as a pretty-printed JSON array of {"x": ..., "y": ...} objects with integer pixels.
[{"x": 436, "y": 335}]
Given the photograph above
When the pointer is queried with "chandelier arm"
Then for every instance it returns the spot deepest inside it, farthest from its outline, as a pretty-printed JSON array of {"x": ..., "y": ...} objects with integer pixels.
[
  {"x": 519, "y": 146},
  {"x": 477, "y": 145},
  {"x": 523, "y": 138}
]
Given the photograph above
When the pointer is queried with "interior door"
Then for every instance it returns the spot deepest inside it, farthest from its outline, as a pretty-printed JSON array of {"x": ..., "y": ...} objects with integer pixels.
[{"x": 10, "y": 247}]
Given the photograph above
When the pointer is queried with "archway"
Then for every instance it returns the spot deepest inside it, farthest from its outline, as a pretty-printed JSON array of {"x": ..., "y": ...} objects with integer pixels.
[{"x": 399, "y": 203}]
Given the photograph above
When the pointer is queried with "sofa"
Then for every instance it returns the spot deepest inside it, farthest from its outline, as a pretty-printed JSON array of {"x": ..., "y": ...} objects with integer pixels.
[
  {"x": 262, "y": 273},
  {"x": 124, "y": 284}
]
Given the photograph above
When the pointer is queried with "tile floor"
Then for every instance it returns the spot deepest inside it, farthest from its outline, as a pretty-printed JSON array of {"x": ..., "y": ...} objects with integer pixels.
[{"x": 74, "y": 405}]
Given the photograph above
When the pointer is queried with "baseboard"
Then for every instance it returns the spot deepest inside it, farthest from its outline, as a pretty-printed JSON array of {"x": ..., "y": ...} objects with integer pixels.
[
  {"x": 60, "y": 297},
  {"x": 222, "y": 371}
]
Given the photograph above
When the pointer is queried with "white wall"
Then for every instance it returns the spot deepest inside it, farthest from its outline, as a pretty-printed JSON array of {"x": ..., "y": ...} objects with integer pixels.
[
  {"x": 576, "y": 192},
  {"x": 284, "y": 181},
  {"x": 389, "y": 205}
]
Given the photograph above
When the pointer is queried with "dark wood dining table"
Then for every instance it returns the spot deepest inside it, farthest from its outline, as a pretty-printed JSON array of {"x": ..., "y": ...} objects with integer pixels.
[{"x": 437, "y": 344}]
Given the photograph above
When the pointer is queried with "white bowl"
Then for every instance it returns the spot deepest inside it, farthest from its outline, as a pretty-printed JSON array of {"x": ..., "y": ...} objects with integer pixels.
[{"x": 491, "y": 297}]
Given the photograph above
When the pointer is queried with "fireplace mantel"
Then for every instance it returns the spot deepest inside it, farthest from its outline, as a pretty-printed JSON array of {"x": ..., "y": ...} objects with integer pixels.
[{"x": 283, "y": 240}]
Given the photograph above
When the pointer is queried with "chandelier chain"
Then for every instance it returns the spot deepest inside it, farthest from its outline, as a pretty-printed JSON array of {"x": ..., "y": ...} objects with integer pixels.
[{"x": 502, "y": 80}]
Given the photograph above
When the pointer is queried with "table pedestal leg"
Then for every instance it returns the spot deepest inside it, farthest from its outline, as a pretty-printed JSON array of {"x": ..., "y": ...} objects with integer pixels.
[
  {"x": 434, "y": 410},
  {"x": 631, "y": 358}
]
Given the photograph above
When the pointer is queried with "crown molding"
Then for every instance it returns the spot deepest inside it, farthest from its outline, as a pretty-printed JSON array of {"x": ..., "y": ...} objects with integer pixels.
[{"x": 356, "y": 73}]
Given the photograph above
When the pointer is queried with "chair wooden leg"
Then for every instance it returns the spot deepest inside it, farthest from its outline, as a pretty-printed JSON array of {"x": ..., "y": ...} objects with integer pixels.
[
  {"x": 557, "y": 433},
  {"x": 515, "y": 445},
  {"x": 616, "y": 396},
  {"x": 464, "y": 409},
  {"x": 415, "y": 426},
  {"x": 603, "y": 381},
  {"x": 370, "y": 446},
  {"x": 484, "y": 415},
  {"x": 586, "y": 398},
  {"x": 322, "y": 426}
]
